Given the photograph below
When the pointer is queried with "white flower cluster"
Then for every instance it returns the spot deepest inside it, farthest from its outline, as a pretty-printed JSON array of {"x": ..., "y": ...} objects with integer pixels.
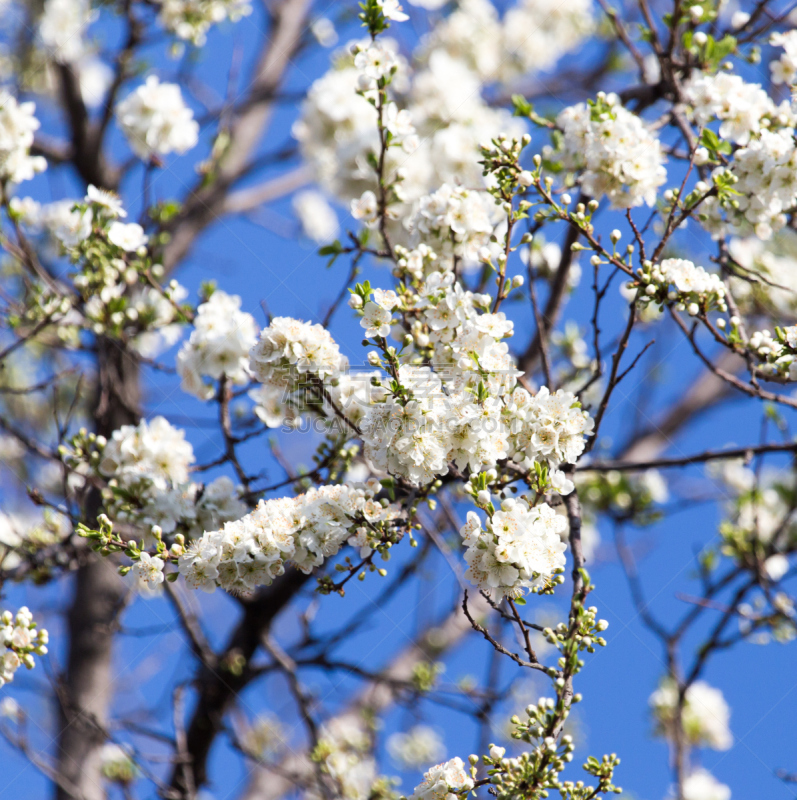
[
  {"x": 702, "y": 785},
  {"x": 63, "y": 26},
  {"x": 704, "y": 718},
  {"x": 454, "y": 221},
  {"x": 784, "y": 69},
  {"x": 191, "y": 20},
  {"x": 468, "y": 409},
  {"x": 113, "y": 297},
  {"x": 619, "y": 156},
  {"x": 778, "y": 354},
  {"x": 532, "y": 36},
  {"x": 680, "y": 281},
  {"x": 147, "y": 466},
  {"x": 418, "y": 746},
  {"x": 289, "y": 346},
  {"x": 156, "y": 121},
  {"x": 219, "y": 345},
  {"x": 766, "y": 170},
  {"x": 21, "y": 640},
  {"x": 740, "y": 106},
  {"x": 445, "y": 781},
  {"x": 437, "y": 116},
  {"x": 287, "y": 358},
  {"x": 303, "y": 530},
  {"x": 17, "y": 125},
  {"x": 768, "y": 274},
  {"x": 518, "y": 548},
  {"x": 347, "y": 750}
]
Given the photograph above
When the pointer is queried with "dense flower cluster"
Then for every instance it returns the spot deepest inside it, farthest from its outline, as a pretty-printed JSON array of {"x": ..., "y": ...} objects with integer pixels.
[
  {"x": 445, "y": 781},
  {"x": 680, "y": 281},
  {"x": 618, "y": 155},
  {"x": 289, "y": 359},
  {"x": 454, "y": 221},
  {"x": 778, "y": 353},
  {"x": 192, "y": 19},
  {"x": 532, "y": 36},
  {"x": 219, "y": 345},
  {"x": 518, "y": 548},
  {"x": 21, "y": 640},
  {"x": 147, "y": 466},
  {"x": 156, "y": 121},
  {"x": 739, "y": 106},
  {"x": 766, "y": 178},
  {"x": 17, "y": 125},
  {"x": 303, "y": 530},
  {"x": 437, "y": 121},
  {"x": 289, "y": 347},
  {"x": 467, "y": 409},
  {"x": 705, "y": 715}
]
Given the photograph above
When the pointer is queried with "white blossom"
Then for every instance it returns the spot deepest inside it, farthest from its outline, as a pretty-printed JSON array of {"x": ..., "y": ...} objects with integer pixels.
[
  {"x": 156, "y": 121},
  {"x": 702, "y": 785},
  {"x": 619, "y": 156},
  {"x": 127, "y": 235},
  {"x": 219, "y": 345},
  {"x": 519, "y": 547},
  {"x": 442, "y": 781},
  {"x": 317, "y": 217},
  {"x": 303, "y": 530},
  {"x": 705, "y": 715},
  {"x": 63, "y": 26},
  {"x": 191, "y": 20},
  {"x": 17, "y": 126}
]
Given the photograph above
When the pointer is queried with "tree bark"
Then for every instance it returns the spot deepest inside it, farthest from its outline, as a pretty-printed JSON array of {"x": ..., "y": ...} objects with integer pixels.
[{"x": 86, "y": 688}]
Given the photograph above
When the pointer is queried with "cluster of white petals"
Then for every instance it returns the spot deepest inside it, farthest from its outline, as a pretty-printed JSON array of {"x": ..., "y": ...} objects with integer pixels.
[
  {"x": 63, "y": 26},
  {"x": 705, "y": 715},
  {"x": 191, "y": 20},
  {"x": 156, "y": 121},
  {"x": 532, "y": 36},
  {"x": 219, "y": 345},
  {"x": 437, "y": 116},
  {"x": 21, "y": 640},
  {"x": 777, "y": 268},
  {"x": 680, "y": 281},
  {"x": 620, "y": 158},
  {"x": 454, "y": 221},
  {"x": 447, "y": 781},
  {"x": 739, "y": 106},
  {"x": 303, "y": 530},
  {"x": 702, "y": 785},
  {"x": 784, "y": 69},
  {"x": 766, "y": 170},
  {"x": 149, "y": 463},
  {"x": 778, "y": 353},
  {"x": 519, "y": 547},
  {"x": 17, "y": 125},
  {"x": 347, "y": 748},
  {"x": 289, "y": 347}
]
